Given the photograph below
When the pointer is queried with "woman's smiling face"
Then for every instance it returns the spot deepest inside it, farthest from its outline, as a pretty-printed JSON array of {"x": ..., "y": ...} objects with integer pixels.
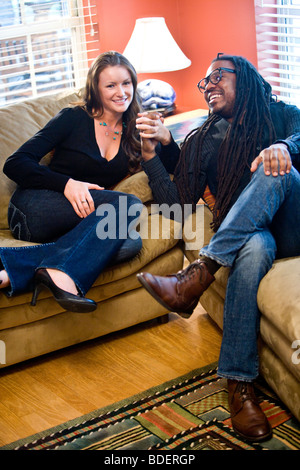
[{"x": 115, "y": 89}]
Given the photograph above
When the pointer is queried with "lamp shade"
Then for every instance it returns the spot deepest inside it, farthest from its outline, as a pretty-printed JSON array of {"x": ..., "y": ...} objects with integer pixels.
[{"x": 152, "y": 48}]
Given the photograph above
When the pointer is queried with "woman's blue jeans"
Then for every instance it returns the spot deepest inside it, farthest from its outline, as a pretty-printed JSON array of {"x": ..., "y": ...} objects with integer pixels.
[
  {"x": 263, "y": 224},
  {"x": 68, "y": 243}
]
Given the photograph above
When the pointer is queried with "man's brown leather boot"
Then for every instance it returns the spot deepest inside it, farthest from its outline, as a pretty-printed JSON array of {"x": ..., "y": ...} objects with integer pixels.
[
  {"x": 179, "y": 292},
  {"x": 248, "y": 419}
]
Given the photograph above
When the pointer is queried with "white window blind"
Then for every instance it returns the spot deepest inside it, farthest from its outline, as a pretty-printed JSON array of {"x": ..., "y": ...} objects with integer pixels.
[
  {"x": 45, "y": 46},
  {"x": 278, "y": 43}
]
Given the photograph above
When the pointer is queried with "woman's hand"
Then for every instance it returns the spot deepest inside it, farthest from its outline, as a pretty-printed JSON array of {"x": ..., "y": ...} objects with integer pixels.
[
  {"x": 152, "y": 131},
  {"x": 78, "y": 194},
  {"x": 276, "y": 160}
]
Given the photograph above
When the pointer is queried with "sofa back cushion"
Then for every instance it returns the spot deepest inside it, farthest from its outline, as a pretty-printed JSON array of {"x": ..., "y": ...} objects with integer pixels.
[{"x": 19, "y": 122}]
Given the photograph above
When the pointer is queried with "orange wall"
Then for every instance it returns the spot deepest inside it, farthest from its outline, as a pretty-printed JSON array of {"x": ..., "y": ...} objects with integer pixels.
[{"x": 202, "y": 28}]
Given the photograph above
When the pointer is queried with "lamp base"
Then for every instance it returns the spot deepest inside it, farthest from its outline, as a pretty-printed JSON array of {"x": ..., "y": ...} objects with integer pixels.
[{"x": 156, "y": 95}]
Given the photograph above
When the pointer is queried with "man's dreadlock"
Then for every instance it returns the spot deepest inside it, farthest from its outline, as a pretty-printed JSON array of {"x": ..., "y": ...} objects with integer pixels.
[{"x": 242, "y": 142}]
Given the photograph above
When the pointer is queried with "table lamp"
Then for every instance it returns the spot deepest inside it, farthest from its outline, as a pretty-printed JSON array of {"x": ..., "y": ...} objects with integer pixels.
[{"x": 153, "y": 49}]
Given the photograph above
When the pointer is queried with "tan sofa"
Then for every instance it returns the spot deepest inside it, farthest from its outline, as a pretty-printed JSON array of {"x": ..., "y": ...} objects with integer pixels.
[
  {"x": 279, "y": 303},
  {"x": 26, "y": 331}
]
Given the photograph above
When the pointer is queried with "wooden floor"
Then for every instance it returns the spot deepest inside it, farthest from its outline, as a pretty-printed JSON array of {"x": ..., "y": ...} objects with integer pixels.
[{"x": 50, "y": 390}]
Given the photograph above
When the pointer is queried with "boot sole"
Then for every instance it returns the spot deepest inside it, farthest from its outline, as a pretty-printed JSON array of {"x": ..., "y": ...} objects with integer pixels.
[{"x": 265, "y": 437}]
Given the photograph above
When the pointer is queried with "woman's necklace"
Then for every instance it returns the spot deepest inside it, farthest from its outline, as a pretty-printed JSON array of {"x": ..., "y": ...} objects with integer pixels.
[{"x": 110, "y": 129}]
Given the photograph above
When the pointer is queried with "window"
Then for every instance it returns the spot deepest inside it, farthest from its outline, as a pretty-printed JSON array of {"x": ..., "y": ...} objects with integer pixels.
[
  {"x": 278, "y": 42},
  {"x": 45, "y": 45}
]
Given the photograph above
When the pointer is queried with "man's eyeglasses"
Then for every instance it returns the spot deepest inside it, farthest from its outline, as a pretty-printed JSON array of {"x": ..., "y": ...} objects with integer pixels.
[{"x": 214, "y": 77}]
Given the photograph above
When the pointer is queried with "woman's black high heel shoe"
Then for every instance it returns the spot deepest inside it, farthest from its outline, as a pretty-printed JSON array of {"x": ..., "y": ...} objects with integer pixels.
[{"x": 68, "y": 301}]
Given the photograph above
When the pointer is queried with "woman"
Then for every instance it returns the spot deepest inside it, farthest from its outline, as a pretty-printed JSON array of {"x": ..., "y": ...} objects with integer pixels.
[{"x": 95, "y": 146}]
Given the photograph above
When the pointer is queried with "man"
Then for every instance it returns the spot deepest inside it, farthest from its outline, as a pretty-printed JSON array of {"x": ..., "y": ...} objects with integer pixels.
[{"x": 247, "y": 153}]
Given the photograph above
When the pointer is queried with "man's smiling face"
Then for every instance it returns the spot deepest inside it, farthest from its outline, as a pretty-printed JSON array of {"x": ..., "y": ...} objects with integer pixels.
[{"x": 221, "y": 97}]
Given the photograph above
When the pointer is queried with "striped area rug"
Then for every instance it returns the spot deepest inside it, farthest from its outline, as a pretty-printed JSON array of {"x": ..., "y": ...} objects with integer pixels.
[{"x": 189, "y": 413}]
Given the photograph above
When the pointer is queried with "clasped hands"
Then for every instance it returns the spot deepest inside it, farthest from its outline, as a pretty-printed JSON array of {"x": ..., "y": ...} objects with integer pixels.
[{"x": 152, "y": 131}]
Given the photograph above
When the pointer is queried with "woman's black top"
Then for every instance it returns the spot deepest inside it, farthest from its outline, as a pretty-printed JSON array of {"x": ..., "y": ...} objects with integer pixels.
[{"x": 77, "y": 155}]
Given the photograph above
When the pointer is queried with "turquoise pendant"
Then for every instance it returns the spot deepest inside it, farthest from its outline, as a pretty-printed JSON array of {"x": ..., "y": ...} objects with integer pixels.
[{"x": 107, "y": 133}]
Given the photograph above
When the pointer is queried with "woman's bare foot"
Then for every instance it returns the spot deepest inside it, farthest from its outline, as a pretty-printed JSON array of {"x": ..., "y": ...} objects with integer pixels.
[
  {"x": 4, "y": 279},
  {"x": 62, "y": 280}
]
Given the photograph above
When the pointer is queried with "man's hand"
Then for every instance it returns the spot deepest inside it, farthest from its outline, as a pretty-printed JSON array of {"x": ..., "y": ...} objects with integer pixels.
[
  {"x": 78, "y": 194},
  {"x": 276, "y": 160}
]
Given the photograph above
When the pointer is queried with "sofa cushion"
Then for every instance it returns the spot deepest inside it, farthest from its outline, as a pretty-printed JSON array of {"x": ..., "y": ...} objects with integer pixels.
[
  {"x": 17, "y": 311},
  {"x": 114, "y": 280},
  {"x": 138, "y": 185},
  {"x": 47, "y": 331},
  {"x": 7, "y": 240}
]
